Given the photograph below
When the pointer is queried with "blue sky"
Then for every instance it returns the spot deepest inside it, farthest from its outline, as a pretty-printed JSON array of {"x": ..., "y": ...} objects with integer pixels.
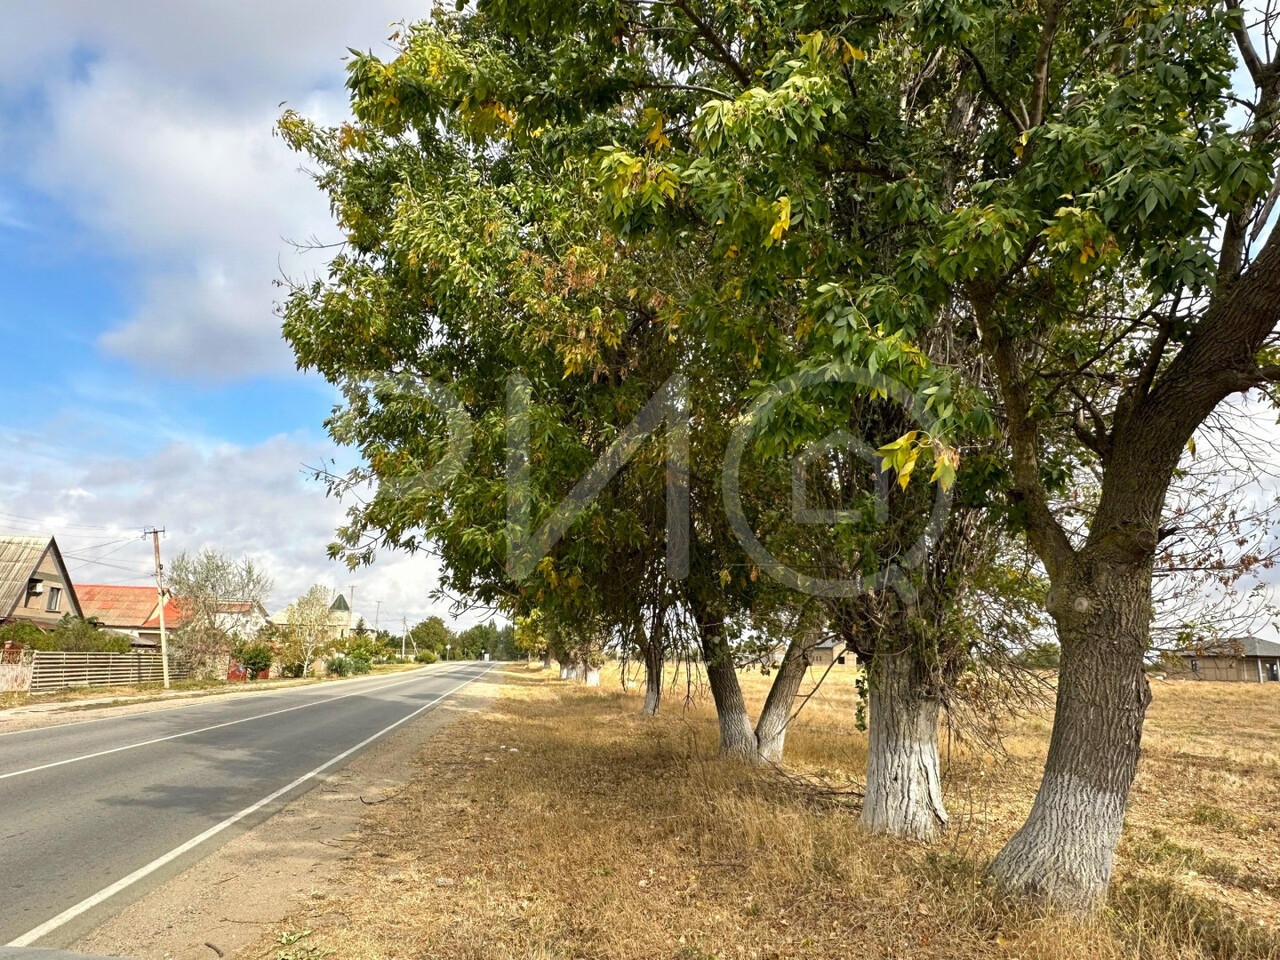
[{"x": 145, "y": 213}]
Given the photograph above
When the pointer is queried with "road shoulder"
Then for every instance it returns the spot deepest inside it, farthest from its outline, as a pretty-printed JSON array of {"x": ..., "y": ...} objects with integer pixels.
[{"x": 241, "y": 892}]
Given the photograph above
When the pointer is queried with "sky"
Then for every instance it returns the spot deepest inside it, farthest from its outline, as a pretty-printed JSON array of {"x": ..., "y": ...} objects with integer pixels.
[{"x": 147, "y": 213}]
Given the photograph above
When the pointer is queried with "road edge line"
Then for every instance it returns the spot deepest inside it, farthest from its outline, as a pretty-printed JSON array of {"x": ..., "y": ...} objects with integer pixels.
[{"x": 106, "y": 893}]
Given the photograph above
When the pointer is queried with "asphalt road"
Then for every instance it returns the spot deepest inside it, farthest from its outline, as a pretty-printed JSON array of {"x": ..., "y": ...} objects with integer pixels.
[{"x": 94, "y": 814}]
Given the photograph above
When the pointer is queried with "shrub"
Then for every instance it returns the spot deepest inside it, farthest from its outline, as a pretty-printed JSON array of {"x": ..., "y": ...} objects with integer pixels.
[
  {"x": 361, "y": 665},
  {"x": 338, "y": 666},
  {"x": 291, "y": 670},
  {"x": 25, "y": 635},
  {"x": 255, "y": 657},
  {"x": 425, "y": 656}
]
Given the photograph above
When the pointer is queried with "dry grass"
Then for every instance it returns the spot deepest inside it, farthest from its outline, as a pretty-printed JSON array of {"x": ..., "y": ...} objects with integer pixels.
[{"x": 562, "y": 824}]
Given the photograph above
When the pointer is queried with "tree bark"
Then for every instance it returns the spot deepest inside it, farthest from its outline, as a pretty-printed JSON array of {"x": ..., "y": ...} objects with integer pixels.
[
  {"x": 653, "y": 667},
  {"x": 546, "y": 660},
  {"x": 904, "y": 786},
  {"x": 592, "y": 676},
  {"x": 1064, "y": 850},
  {"x": 771, "y": 728},
  {"x": 737, "y": 738}
]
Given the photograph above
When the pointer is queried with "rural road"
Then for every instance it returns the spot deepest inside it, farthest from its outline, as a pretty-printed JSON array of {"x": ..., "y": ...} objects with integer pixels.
[{"x": 95, "y": 814}]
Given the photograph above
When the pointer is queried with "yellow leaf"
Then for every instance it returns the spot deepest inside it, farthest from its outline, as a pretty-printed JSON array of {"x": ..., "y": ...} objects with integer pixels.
[
  {"x": 783, "y": 223},
  {"x": 904, "y": 472}
]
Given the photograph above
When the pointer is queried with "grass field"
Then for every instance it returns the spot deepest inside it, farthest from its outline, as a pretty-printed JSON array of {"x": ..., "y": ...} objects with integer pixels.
[{"x": 563, "y": 824}]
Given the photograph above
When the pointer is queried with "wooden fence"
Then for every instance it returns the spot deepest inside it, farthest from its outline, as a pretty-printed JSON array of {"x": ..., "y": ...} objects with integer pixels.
[{"x": 55, "y": 671}]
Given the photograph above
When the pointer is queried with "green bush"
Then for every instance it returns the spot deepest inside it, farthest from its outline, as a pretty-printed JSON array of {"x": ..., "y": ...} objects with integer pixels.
[
  {"x": 361, "y": 665},
  {"x": 75, "y": 634},
  {"x": 425, "y": 656},
  {"x": 338, "y": 666},
  {"x": 255, "y": 657},
  {"x": 25, "y": 635}
]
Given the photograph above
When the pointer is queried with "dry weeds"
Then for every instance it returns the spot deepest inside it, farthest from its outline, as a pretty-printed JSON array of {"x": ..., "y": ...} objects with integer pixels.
[{"x": 563, "y": 824}]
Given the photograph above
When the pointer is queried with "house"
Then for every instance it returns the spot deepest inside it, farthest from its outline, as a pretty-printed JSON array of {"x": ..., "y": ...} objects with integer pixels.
[
  {"x": 34, "y": 584},
  {"x": 831, "y": 652},
  {"x": 342, "y": 621},
  {"x": 135, "y": 612},
  {"x": 132, "y": 611},
  {"x": 1244, "y": 660}
]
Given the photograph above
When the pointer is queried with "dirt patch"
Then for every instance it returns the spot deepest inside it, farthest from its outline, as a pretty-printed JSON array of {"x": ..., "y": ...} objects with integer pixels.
[{"x": 241, "y": 892}]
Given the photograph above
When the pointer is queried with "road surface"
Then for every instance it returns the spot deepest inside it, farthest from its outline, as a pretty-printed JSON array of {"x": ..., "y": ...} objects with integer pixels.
[{"x": 94, "y": 814}]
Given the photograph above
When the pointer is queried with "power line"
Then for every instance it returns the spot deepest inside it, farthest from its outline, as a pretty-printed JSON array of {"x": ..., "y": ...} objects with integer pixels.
[{"x": 78, "y": 526}]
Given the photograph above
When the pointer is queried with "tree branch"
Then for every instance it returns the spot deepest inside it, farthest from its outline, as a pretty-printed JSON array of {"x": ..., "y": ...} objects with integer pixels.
[
  {"x": 991, "y": 91},
  {"x": 1048, "y": 538},
  {"x": 722, "y": 52},
  {"x": 1040, "y": 91}
]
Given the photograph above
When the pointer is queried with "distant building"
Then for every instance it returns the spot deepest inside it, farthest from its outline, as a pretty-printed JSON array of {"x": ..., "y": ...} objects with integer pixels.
[
  {"x": 34, "y": 584},
  {"x": 131, "y": 611},
  {"x": 1245, "y": 660},
  {"x": 831, "y": 652},
  {"x": 342, "y": 621}
]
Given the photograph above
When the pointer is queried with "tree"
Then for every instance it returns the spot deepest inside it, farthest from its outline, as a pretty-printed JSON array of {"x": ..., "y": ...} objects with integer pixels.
[
  {"x": 203, "y": 585},
  {"x": 307, "y": 634},
  {"x": 433, "y": 634},
  {"x": 254, "y": 656},
  {"x": 1068, "y": 184}
]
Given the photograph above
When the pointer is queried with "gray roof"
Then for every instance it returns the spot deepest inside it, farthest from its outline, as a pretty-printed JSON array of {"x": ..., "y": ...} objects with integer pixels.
[
  {"x": 19, "y": 557},
  {"x": 1237, "y": 647}
]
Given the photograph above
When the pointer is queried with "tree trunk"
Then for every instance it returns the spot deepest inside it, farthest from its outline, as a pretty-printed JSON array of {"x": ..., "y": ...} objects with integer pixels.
[
  {"x": 737, "y": 738},
  {"x": 1064, "y": 851},
  {"x": 546, "y": 660},
  {"x": 771, "y": 728},
  {"x": 653, "y": 666},
  {"x": 592, "y": 676},
  {"x": 904, "y": 787}
]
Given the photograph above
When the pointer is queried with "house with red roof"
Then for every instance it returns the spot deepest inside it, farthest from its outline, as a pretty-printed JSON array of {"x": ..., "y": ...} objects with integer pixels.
[
  {"x": 132, "y": 611},
  {"x": 135, "y": 612}
]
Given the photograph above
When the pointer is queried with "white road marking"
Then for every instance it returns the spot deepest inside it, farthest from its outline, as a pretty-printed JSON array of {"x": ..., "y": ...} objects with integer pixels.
[
  {"x": 215, "y": 726},
  {"x": 31, "y": 936},
  {"x": 195, "y": 701}
]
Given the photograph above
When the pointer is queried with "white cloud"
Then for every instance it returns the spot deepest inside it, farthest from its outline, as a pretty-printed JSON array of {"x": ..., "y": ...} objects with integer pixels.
[{"x": 156, "y": 133}]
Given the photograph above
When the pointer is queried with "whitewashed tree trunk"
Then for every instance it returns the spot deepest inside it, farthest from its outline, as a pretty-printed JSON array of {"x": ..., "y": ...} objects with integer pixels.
[
  {"x": 1065, "y": 850},
  {"x": 771, "y": 728},
  {"x": 565, "y": 671},
  {"x": 592, "y": 675},
  {"x": 904, "y": 787}
]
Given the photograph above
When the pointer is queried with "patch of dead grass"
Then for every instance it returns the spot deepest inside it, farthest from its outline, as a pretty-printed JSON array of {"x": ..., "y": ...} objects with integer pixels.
[{"x": 562, "y": 824}]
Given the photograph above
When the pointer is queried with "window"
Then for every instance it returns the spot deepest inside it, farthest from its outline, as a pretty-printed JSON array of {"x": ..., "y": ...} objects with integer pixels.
[{"x": 54, "y": 601}]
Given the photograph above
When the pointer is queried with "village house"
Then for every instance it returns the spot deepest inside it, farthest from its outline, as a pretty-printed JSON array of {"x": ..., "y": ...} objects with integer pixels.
[
  {"x": 1245, "y": 660},
  {"x": 131, "y": 611},
  {"x": 342, "y": 621},
  {"x": 34, "y": 584},
  {"x": 135, "y": 612}
]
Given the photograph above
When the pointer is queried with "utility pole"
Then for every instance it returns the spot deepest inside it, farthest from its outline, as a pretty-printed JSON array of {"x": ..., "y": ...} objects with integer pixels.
[
  {"x": 351, "y": 615},
  {"x": 377, "y": 616},
  {"x": 154, "y": 533},
  {"x": 404, "y": 623}
]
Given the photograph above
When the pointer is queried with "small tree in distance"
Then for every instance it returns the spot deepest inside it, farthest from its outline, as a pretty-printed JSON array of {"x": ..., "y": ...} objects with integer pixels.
[{"x": 307, "y": 633}]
